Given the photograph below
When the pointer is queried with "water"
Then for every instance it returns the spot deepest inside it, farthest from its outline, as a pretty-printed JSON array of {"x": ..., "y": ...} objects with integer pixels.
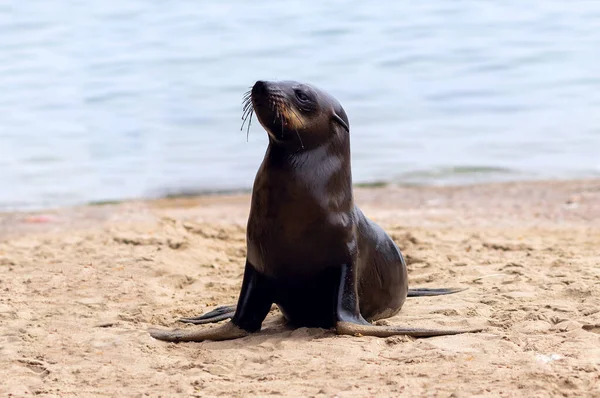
[{"x": 104, "y": 100}]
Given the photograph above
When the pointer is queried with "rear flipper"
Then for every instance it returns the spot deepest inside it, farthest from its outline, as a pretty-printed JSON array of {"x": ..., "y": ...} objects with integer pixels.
[
  {"x": 433, "y": 292},
  {"x": 227, "y": 311},
  {"x": 216, "y": 315}
]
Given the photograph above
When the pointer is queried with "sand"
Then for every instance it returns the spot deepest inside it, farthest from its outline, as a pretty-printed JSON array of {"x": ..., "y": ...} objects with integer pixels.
[{"x": 80, "y": 286}]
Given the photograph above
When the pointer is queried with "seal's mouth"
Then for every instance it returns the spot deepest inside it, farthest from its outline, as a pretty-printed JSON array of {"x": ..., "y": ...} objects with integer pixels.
[{"x": 272, "y": 109}]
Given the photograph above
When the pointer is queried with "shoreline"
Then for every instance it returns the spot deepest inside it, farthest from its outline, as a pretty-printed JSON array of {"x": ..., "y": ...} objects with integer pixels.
[
  {"x": 538, "y": 202},
  {"x": 177, "y": 195},
  {"x": 458, "y": 175}
]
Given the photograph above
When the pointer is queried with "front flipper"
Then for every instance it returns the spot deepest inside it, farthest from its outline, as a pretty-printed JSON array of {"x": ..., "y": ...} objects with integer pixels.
[
  {"x": 350, "y": 321},
  {"x": 216, "y": 315},
  {"x": 254, "y": 303},
  {"x": 420, "y": 292},
  {"x": 225, "y": 332},
  {"x": 352, "y": 329}
]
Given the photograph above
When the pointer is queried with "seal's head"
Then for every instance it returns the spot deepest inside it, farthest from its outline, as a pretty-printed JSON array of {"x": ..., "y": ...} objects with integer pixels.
[{"x": 296, "y": 114}]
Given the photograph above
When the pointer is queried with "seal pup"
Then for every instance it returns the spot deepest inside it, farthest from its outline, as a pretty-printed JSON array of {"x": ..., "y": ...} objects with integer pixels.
[{"x": 310, "y": 249}]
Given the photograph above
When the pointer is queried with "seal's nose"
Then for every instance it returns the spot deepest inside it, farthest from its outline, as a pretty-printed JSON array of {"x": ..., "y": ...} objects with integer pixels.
[{"x": 260, "y": 88}]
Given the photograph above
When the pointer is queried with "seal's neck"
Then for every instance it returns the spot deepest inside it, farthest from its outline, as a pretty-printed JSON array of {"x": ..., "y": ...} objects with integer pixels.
[
  {"x": 292, "y": 154},
  {"x": 325, "y": 168}
]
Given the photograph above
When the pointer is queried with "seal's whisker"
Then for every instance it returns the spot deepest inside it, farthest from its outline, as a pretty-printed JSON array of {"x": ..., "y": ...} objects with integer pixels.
[
  {"x": 249, "y": 119},
  {"x": 249, "y": 123},
  {"x": 247, "y": 105},
  {"x": 247, "y": 112},
  {"x": 245, "y": 117}
]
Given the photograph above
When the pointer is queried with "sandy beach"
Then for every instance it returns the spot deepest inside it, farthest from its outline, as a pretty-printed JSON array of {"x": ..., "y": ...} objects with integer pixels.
[{"x": 80, "y": 286}]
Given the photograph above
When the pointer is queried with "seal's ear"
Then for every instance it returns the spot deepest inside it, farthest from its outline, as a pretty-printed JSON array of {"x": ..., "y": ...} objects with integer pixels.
[{"x": 341, "y": 122}]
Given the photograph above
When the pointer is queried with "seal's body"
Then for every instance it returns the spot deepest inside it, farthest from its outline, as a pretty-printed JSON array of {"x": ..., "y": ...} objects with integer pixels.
[{"x": 310, "y": 249}]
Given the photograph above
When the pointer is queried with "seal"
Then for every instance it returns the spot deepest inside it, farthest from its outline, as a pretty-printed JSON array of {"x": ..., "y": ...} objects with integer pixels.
[{"x": 310, "y": 250}]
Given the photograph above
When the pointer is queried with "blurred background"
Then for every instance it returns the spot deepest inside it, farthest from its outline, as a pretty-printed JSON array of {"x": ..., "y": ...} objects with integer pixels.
[{"x": 109, "y": 100}]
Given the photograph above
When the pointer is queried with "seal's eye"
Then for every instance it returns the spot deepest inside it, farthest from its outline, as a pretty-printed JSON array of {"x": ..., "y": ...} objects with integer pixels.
[{"x": 301, "y": 96}]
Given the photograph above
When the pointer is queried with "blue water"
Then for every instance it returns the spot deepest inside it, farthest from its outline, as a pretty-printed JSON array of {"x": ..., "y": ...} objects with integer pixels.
[{"x": 104, "y": 100}]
